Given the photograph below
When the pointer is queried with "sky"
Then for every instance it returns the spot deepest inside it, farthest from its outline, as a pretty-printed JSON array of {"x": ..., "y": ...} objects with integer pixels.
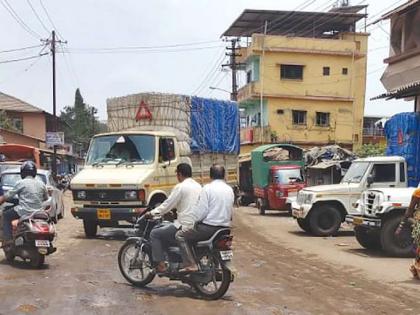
[{"x": 190, "y": 65}]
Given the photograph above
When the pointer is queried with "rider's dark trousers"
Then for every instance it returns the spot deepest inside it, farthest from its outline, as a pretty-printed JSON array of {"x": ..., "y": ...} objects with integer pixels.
[
  {"x": 8, "y": 217},
  {"x": 161, "y": 236},
  {"x": 200, "y": 232}
]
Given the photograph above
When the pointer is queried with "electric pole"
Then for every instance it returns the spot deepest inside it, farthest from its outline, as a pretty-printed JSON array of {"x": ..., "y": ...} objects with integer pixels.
[{"x": 234, "y": 67}]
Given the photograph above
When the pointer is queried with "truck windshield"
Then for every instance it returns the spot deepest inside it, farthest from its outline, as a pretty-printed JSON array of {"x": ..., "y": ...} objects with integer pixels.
[
  {"x": 117, "y": 149},
  {"x": 287, "y": 176},
  {"x": 356, "y": 172}
]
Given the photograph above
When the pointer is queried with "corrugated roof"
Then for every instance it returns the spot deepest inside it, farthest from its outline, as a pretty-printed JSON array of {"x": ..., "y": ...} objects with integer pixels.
[
  {"x": 10, "y": 103},
  {"x": 404, "y": 91},
  {"x": 296, "y": 23},
  {"x": 398, "y": 10}
]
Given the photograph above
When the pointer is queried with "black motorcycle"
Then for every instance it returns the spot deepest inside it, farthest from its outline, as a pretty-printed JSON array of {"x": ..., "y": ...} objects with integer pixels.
[
  {"x": 33, "y": 237},
  {"x": 213, "y": 258}
]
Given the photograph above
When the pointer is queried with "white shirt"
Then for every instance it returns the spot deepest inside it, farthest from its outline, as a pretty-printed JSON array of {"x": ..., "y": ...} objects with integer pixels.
[
  {"x": 215, "y": 204},
  {"x": 183, "y": 196}
]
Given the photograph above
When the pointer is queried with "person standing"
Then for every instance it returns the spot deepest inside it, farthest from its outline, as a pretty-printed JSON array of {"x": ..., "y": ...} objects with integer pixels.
[
  {"x": 212, "y": 212},
  {"x": 183, "y": 196}
]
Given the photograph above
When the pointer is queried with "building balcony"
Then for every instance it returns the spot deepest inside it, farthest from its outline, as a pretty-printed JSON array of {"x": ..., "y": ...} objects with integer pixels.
[
  {"x": 251, "y": 135},
  {"x": 248, "y": 91}
]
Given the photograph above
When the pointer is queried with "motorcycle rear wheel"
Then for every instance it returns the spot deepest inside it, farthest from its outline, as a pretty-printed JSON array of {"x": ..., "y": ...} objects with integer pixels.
[
  {"x": 212, "y": 263},
  {"x": 10, "y": 256},
  {"x": 125, "y": 263},
  {"x": 36, "y": 259}
]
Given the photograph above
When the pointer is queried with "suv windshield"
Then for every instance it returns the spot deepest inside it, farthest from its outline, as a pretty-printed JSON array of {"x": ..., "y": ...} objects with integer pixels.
[
  {"x": 122, "y": 149},
  {"x": 287, "y": 176},
  {"x": 356, "y": 172}
]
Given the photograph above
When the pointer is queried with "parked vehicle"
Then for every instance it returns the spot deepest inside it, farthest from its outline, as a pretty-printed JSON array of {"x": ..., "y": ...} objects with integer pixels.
[
  {"x": 275, "y": 172},
  {"x": 17, "y": 153},
  {"x": 212, "y": 256},
  {"x": 133, "y": 166},
  {"x": 320, "y": 210},
  {"x": 33, "y": 237},
  {"x": 380, "y": 213},
  {"x": 54, "y": 205}
]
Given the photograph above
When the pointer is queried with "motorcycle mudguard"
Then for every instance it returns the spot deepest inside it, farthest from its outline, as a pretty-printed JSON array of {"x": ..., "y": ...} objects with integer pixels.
[{"x": 142, "y": 240}]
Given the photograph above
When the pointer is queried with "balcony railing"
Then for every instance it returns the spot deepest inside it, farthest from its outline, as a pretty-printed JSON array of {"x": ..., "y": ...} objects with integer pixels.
[{"x": 373, "y": 132}]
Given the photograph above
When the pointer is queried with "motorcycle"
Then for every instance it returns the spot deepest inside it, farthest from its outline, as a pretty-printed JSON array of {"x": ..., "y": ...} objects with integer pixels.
[
  {"x": 33, "y": 237},
  {"x": 213, "y": 258}
]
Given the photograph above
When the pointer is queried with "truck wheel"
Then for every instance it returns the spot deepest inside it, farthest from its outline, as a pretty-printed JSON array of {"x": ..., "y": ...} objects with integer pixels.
[
  {"x": 304, "y": 224},
  {"x": 397, "y": 246},
  {"x": 261, "y": 206},
  {"x": 90, "y": 227},
  {"x": 369, "y": 239},
  {"x": 325, "y": 220}
]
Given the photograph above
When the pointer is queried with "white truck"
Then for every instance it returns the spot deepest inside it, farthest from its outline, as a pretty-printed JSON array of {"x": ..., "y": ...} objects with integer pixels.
[
  {"x": 133, "y": 166},
  {"x": 320, "y": 210},
  {"x": 379, "y": 213}
]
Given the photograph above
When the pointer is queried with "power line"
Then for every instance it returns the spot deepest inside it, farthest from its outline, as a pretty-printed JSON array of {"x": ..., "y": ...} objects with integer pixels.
[
  {"x": 22, "y": 59},
  {"x": 20, "y": 49},
  {"x": 49, "y": 18},
  {"x": 16, "y": 17},
  {"x": 144, "y": 51},
  {"x": 37, "y": 16}
]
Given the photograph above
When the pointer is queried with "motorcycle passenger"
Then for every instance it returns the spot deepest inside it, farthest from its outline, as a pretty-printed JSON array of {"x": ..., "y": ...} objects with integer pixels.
[
  {"x": 183, "y": 196},
  {"x": 31, "y": 193},
  {"x": 212, "y": 212}
]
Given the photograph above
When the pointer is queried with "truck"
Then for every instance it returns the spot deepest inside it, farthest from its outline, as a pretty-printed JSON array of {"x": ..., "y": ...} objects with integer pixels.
[
  {"x": 320, "y": 210},
  {"x": 276, "y": 174},
  {"x": 132, "y": 167}
]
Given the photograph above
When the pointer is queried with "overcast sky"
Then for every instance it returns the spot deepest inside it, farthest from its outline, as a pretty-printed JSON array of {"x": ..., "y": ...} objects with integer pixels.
[{"x": 90, "y": 25}]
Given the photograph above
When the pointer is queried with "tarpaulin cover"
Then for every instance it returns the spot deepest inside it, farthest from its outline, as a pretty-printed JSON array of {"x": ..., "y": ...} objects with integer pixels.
[
  {"x": 402, "y": 132},
  {"x": 214, "y": 126}
]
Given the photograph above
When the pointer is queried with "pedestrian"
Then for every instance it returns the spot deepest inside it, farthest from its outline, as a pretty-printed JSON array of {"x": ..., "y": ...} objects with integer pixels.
[
  {"x": 212, "y": 212},
  {"x": 412, "y": 216}
]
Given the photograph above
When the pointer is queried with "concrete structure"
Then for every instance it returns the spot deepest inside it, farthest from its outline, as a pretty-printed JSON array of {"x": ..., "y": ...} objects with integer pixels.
[
  {"x": 401, "y": 78},
  {"x": 373, "y": 130},
  {"x": 307, "y": 76}
]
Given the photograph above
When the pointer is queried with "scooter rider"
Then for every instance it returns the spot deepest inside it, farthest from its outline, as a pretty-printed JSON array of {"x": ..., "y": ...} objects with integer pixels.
[{"x": 31, "y": 193}]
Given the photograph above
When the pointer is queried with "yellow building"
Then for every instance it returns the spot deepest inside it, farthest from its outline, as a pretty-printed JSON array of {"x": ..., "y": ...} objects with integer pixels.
[{"x": 306, "y": 75}]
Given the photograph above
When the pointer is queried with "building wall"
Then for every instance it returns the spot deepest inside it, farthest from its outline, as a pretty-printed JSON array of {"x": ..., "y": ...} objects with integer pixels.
[
  {"x": 34, "y": 125},
  {"x": 15, "y": 138}
]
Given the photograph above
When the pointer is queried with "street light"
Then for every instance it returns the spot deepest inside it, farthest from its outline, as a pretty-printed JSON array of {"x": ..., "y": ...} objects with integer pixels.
[{"x": 216, "y": 88}]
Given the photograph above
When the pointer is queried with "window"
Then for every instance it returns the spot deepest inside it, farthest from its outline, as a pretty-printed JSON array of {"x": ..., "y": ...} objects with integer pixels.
[
  {"x": 326, "y": 71},
  {"x": 17, "y": 124},
  {"x": 322, "y": 119},
  {"x": 299, "y": 117},
  {"x": 248, "y": 77},
  {"x": 291, "y": 72},
  {"x": 402, "y": 172},
  {"x": 383, "y": 173},
  {"x": 345, "y": 71},
  {"x": 166, "y": 149}
]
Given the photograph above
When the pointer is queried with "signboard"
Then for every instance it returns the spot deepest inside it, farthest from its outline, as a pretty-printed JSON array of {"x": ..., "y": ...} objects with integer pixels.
[
  {"x": 143, "y": 112},
  {"x": 54, "y": 138}
]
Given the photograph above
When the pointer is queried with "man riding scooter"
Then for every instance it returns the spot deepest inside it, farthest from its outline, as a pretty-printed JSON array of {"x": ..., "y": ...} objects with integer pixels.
[{"x": 31, "y": 195}]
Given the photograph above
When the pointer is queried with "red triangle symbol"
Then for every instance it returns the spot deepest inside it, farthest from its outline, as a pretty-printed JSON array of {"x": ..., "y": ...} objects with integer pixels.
[{"x": 143, "y": 112}]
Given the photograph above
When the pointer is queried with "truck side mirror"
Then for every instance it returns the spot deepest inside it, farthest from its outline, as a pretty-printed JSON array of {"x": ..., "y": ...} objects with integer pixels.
[{"x": 370, "y": 180}]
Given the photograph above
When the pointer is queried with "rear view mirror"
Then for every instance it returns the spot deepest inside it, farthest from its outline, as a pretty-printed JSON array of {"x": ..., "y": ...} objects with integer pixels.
[{"x": 370, "y": 180}]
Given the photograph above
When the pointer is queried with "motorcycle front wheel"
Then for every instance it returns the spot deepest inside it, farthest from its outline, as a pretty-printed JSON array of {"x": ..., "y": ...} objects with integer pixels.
[
  {"x": 135, "y": 263},
  {"x": 220, "y": 277}
]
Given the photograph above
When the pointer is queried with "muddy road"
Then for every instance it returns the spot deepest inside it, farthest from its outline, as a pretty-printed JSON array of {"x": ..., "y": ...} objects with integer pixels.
[{"x": 279, "y": 271}]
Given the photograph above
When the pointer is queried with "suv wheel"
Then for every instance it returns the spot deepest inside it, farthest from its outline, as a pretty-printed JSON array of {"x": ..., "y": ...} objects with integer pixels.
[
  {"x": 90, "y": 227},
  {"x": 325, "y": 220},
  {"x": 397, "y": 246}
]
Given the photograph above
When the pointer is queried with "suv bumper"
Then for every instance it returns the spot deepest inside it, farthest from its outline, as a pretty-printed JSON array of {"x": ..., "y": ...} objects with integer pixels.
[
  {"x": 357, "y": 220},
  {"x": 300, "y": 211},
  {"x": 107, "y": 214}
]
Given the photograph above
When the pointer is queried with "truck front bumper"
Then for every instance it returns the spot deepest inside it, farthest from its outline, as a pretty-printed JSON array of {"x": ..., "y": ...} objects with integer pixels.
[
  {"x": 357, "y": 220},
  {"x": 300, "y": 211},
  {"x": 107, "y": 214}
]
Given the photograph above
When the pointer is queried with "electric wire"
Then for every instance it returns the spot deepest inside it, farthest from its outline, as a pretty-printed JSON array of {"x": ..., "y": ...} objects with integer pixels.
[
  {"x": 22, "y": 59},
  {"x": 37, "y": 16},
  {"x": 150, "y": 51},
  {"x": 20, "y": 49},
  {"x": 49, "y": 19}
]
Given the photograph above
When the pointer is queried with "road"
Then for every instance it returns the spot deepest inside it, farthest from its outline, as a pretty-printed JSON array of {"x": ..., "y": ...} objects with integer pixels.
[{"x": 280, "y": 270}]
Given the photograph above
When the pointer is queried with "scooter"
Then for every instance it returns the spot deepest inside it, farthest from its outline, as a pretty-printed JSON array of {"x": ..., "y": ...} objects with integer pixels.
[
  {"x": 33, "y": 237},
  {"x": 213, "y": 258}
]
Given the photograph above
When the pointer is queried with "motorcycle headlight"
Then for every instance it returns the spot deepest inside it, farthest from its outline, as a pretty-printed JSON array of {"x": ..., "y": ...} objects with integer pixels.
[
  {"x": 81, "y": 194},
  {"x": 279, "y": 194},
  {"x": 131, "y": 195}
]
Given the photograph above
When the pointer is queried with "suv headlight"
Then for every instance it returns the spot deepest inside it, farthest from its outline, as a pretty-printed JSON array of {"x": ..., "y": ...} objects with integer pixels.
[
  {"x": 308, "y": 198},
  {"x": 130, "y": 195},
  {"x": 81, "y": 194}
]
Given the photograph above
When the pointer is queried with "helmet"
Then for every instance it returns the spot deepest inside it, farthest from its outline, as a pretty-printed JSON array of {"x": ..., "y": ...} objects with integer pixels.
[{"x": 28, "y": 168}]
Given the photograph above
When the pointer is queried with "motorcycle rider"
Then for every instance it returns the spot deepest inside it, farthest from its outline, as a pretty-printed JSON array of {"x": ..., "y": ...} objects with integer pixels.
[
  {"x": 183, "y": 196},
  {"x": 212, "y": 212},
  {"x": 31, "y": 193}
]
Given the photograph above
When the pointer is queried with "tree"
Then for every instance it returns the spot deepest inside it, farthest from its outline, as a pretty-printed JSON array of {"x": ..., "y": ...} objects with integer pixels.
[
  {"x": 371, "y": 150},
  {"x": 5, "y": 122},
  {"x": 80, "y": 123}
]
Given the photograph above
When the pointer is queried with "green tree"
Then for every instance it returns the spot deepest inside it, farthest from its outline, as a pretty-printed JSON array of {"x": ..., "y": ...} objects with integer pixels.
[
  {"x": 5, "y": 122},
  {"x": 371, "y": 150},
  {"x": 81, "y": 123}
]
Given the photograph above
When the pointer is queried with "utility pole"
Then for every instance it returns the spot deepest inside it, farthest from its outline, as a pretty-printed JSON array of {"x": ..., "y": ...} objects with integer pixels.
[{"x": 234, "y": 67}]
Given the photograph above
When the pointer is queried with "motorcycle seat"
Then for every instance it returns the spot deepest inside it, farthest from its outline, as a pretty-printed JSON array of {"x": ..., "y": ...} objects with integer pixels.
[
  {"x": 209, "y": 242},
  {"x": 37, "y": 215}
]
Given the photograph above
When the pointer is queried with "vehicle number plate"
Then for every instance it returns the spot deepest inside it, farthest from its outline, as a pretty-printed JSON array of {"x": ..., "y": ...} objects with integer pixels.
[
  {"x": 357, "y": 221},
  {"x": 42, "y": 243},
  {"x": 103, "y": 214},
  {"x": 226, "y": 255}
]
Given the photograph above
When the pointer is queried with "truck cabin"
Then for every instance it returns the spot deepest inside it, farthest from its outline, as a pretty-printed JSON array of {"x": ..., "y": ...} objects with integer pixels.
[{"x": 14, "y": 154}]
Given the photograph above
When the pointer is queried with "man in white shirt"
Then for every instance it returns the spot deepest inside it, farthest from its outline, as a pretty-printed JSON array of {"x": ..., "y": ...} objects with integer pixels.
[
  {"x": 183, "y": 196},
  {"x": 212, "y": 212}
]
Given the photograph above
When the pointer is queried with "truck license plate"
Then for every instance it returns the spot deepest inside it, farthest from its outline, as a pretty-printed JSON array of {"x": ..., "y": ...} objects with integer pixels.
[
  {"x": 357, "y": 221},
  {"x": 42, "y": 243},
  {"x": 103, "y": 214},
  {"x": 226, "y": 254}
]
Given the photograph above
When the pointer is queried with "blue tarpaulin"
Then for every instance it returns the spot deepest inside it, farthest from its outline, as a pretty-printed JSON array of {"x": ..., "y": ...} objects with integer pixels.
[
  {"x": 214, "y": 126},
  {"x": 402, "y": 132}
]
